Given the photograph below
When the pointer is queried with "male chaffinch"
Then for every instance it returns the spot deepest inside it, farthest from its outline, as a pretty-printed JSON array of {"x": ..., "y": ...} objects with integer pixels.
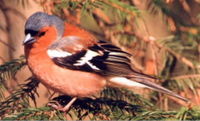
[{"x": 70, "y": 60}]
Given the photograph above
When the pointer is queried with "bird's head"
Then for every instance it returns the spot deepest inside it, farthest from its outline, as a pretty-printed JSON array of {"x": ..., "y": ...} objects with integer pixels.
[{"x": 39, "y": 24}]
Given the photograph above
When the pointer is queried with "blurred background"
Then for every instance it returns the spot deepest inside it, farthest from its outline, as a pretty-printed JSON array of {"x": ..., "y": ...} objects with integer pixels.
[{"x": 162, "y": 35}]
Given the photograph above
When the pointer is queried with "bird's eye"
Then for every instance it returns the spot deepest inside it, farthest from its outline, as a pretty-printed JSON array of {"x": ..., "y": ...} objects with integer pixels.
[
  {"x": 32, "y": 32},
  {"x": 41, "y": 34}
]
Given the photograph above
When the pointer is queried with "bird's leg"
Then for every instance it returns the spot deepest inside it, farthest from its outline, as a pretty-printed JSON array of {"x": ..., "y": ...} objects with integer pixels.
[
  {"x": 58, "y": 106},
  {"x": 66, "y": 108}
]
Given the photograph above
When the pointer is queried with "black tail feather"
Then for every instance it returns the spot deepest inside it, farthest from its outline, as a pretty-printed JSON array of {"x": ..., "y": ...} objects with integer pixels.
[{"x": 147, "y": 81}]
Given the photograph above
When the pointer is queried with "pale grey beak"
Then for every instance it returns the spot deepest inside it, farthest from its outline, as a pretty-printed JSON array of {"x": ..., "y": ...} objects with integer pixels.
[{"x": 28, "y": 39}]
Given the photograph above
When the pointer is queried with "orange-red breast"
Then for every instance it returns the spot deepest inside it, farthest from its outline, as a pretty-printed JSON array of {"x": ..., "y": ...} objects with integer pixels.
[{"x": 70, "y": 60}]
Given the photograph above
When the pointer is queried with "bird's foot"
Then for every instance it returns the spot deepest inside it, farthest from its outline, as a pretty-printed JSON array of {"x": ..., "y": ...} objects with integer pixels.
[{"x": 56, "y": 105}]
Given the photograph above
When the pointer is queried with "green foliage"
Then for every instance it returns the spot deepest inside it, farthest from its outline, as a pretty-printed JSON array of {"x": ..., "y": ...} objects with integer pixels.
[
  {"x": 103, "y": 108},
  {"x": 8, "y": 72},
  {"x": 20, "y": 98},
  {"x": 181, "y": 67}
]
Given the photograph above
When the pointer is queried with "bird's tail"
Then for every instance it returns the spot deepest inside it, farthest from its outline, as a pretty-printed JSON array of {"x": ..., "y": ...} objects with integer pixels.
[{"x": 142, "y": 80}]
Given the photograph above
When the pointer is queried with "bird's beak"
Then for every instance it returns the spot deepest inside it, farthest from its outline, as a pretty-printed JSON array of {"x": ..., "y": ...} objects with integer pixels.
[{"x": 28, "y": 39}]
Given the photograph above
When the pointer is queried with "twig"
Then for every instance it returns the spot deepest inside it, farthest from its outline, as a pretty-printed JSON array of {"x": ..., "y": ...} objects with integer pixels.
[
  {"x": 119, "y": 7},
  {"x": 185, "y": 104},
  {"x": 178, "y": 56},
  {"x": 6, "y": 44},
  {"x": 2, "y": 59},
  {"x": 187, "y": 76}
]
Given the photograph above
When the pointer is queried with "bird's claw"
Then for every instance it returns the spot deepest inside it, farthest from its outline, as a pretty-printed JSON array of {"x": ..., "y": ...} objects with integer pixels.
[{"x": 56, "y": 105}]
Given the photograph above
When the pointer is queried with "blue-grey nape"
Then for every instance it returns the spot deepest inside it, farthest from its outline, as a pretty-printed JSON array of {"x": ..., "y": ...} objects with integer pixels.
[{"x": 40, "y": 19}]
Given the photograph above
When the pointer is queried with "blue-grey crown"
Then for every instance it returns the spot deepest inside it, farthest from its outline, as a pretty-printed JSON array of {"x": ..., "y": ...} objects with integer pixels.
[{"x": 39, "y": 20}]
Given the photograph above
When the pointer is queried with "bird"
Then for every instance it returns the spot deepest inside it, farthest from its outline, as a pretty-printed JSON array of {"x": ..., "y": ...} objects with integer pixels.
[{"x": 70, "y": 60}]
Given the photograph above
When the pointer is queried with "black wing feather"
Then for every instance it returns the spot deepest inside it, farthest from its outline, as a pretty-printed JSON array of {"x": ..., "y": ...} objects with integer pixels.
[
  {"x": 69, "y": 61},
  {"x": 111, "y": 60}
]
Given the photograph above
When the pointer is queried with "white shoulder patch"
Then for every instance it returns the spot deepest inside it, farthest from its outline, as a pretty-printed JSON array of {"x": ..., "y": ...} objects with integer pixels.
[
  {"x": 85, "y": 60},
  {"x": 56, "y": 53}
]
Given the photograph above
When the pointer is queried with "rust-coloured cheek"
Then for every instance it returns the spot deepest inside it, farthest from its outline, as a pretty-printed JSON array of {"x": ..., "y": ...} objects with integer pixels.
[
  {"x": 42, "y": 43},
  {"x": 45, "y": 40}
]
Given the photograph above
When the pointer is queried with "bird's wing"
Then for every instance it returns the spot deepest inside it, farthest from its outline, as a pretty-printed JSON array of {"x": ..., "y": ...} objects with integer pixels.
[{"x": 101, "y": 57}]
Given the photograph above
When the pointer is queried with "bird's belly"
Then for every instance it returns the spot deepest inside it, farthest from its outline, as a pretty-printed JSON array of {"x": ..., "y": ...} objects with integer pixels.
[{"x": 69, "y": 82}]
